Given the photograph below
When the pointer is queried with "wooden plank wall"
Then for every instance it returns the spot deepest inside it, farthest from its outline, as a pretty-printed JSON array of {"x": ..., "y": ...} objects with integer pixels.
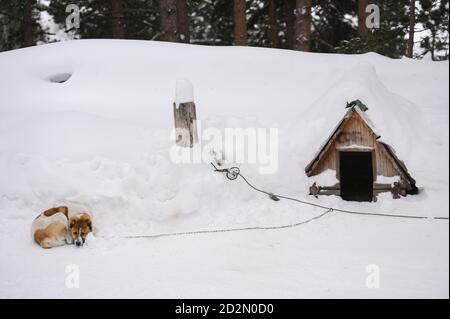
[{"x": 356, "y": 132}]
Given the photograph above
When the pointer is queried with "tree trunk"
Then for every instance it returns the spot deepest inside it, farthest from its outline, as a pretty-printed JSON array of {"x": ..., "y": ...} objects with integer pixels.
[
  {"x": 4, "y": 32},
  {"x": 183, "y": 21},
  {"x": 362, "y": 15},
  {"x": 433, "y": 45},
  {"x": 240, "y": 23},
  {"x": 412, "y": 25},
  {"x": 274, "y": 39},
  {"x": 28, "y": 38},
  {"x": 118, "y": 31},
  {"x": 169, "y": 23},
  {"x": 303, "y": 25},
  {"x": 289, "y": 9}
]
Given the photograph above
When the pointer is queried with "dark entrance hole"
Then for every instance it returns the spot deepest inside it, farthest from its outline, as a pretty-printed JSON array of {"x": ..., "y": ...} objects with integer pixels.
[
  {"x": 60, "y": 77},
  {"x": 356, "y": 176}
]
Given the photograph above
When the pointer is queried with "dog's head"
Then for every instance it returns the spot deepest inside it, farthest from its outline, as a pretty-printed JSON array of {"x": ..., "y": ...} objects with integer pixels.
[{"x": 79, "y": 227}]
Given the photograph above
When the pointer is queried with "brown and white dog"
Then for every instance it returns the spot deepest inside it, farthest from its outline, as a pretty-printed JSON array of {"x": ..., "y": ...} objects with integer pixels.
[{"x": 66, "y": 224}]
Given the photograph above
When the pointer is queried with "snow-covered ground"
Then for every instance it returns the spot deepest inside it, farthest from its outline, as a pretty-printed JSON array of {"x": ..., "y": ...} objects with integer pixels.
[{"x": 103, "y": 139}]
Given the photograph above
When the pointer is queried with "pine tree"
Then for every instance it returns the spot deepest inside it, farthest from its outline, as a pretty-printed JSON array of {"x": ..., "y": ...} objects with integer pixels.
[
  {"x": 95, "y": 18},
  {"x": 434, "y": 16},
  {"x": 317, "y": 26},
  {"x": 389, "y": 38},
  {"x": 265, "y": 23},
  {"x": 141, "y": 19},
  {"x": 10, "y": 25},
  {"x": 212, "y": 22},
  {"x": 131, "y": 19},
  {"x": 258, "y": 24},
  {"x": 19, "y": 24},
  {"x": 332, "y": 23}
]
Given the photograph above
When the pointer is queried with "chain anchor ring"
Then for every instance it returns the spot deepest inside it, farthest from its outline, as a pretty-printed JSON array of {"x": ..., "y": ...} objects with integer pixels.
[{"x": 233, "y": 173}]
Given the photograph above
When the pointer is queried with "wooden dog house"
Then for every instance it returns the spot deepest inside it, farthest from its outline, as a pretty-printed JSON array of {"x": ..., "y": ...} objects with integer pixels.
[{"x": 355, "y": 152}]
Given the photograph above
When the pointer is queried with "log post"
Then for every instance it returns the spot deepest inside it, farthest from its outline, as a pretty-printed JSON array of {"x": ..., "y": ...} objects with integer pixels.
[
  {"x": 185, "y": 124},
  {"x": 314, "y": 190},
  {"x": 185, "y": 115}
]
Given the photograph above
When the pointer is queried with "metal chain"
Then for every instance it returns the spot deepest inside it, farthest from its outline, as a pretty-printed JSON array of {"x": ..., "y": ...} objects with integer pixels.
[
  {"x": 232, "y": 171},
  {"x": 229, "y": 230}
]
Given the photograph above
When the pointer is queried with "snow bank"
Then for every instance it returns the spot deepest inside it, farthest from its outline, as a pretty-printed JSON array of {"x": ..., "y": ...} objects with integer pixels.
[
  {"x": 397, "y": 120},
  {"x": 102, "y": 138}
]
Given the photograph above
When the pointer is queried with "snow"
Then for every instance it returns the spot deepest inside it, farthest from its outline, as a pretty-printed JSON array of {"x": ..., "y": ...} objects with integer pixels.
[
  {"x": 387, "y": 180},
  {"x": 102, "y": 138},
  {"x": 389, "y": 114},
  {"x": 327, "y": 178},
  {"x": 354, "y": 147},
  {"x": 184, "y": 92}
]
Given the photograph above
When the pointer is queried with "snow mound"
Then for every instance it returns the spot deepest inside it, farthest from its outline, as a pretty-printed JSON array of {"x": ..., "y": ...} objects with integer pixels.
[
  {"x": 397, "y": 120},
  {"x": 103, "y": 138}
]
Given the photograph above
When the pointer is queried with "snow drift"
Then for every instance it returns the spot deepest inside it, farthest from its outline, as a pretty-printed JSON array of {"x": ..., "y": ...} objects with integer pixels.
[{"x": 103, "y": 136}]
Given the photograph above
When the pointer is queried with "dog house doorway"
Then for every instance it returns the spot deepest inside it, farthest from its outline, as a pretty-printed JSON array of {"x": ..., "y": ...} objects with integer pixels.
[{"x": 356, "y": 175}]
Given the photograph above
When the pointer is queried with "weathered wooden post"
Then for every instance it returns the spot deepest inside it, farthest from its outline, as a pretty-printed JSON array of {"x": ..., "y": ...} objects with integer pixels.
[{"x": 185, "y": 115}]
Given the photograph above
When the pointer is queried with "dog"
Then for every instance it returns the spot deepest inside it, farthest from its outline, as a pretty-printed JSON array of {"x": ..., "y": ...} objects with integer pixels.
[{"x": 58, "y": 226}]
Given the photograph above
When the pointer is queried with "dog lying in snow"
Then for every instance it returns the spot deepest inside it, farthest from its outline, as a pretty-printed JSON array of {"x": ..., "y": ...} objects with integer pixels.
[{"x": 62, "y": 225}]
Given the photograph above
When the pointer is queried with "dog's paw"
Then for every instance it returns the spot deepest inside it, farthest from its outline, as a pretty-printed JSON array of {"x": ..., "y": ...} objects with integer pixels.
[{"x": 46, "y": 244}]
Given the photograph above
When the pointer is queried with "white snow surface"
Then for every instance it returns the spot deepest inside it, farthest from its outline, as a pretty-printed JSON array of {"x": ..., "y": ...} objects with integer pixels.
[
  {"x": 184, "y": 92},
  {"x": 102, "y": 138}
]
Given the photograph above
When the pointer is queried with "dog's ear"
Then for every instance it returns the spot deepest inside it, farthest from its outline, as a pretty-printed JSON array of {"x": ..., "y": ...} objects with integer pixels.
[{"x": 72, "y": 223}]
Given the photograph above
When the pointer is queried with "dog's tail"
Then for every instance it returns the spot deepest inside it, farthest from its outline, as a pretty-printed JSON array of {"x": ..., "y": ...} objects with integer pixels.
[{"x": 55, "y": 210}]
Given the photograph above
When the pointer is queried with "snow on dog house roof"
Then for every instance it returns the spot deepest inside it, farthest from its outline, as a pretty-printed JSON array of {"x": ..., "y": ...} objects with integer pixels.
[{"x": 355, "y": 133}]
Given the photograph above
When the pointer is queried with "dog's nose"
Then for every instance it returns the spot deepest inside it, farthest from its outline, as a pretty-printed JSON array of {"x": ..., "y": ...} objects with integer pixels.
[{"x": 78, "y": 243}]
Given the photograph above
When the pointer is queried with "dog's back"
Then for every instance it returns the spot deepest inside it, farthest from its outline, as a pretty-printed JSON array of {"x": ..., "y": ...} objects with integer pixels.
[{"x": 49, "y": 229}]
